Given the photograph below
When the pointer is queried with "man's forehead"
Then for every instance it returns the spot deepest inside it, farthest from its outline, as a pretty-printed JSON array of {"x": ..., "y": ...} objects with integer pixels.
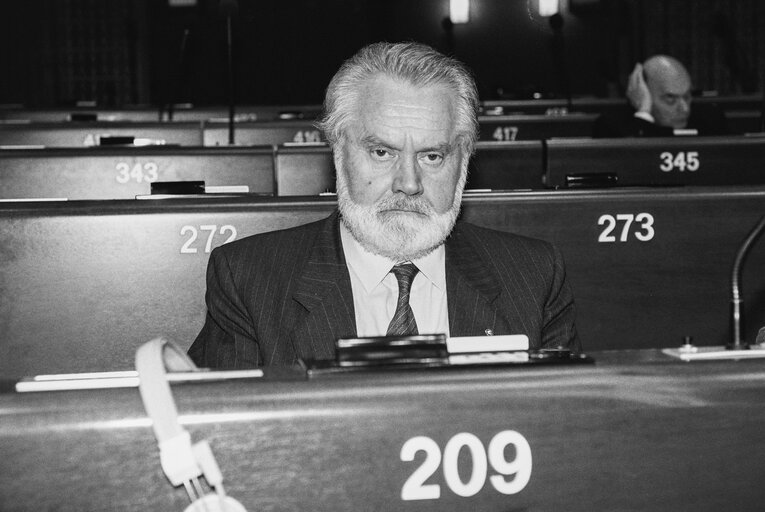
[
  {"x": 674, "y": 82},
  {"x": 390, "y": 106}
]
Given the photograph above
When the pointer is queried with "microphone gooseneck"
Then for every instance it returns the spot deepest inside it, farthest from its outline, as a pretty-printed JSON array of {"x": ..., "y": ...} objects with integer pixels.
[
  {"x": 229, "y": 8},
  {"x": 736, "y": 300}
]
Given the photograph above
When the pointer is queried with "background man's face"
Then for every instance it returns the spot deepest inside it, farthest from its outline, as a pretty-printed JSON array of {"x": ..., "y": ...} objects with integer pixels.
[
  {"x": 400, "y": 166},
  {"x": 670, "y": 100}
]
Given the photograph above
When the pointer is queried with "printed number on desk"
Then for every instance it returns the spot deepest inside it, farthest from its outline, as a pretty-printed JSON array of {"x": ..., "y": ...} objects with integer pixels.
[
  {"x": 505, "y": 133},
  {"x": 518, "y": 468},
  {"x": 195, "y": 237},
  {"x": 304, "y": 136},
  {"x": 682, "y": 161},
  {"x": 138, "y": 172},
  {"x": 639, "y": 226}
]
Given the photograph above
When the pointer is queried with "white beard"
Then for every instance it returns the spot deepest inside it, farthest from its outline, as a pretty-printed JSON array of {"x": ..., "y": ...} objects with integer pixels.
[{"x": 395, "y": 235}]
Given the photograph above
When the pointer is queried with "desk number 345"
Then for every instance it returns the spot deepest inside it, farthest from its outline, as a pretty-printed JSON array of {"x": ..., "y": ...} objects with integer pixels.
[{"x": 519, "y": 466}]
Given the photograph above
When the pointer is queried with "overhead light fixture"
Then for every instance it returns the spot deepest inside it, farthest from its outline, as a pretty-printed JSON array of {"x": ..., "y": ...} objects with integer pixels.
[
  {"x": 548, "y": 7},
  {"x": 459, "y": 11}
]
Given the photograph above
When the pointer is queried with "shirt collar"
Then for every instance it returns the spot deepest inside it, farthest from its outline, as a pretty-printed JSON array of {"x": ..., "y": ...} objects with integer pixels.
[{"x": 371, "y": 269}]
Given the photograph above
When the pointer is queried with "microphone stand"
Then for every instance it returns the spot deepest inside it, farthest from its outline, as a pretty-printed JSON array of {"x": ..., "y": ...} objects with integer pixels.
[
  {"x": 230, "y": 81},
  {"x": 559, "y": 56},
  {"x": 762, "y": 106},
  {"x": 179, "y": 76},
  {"x": 736, "y": 300},
  {"x": 229, "y": 8}
]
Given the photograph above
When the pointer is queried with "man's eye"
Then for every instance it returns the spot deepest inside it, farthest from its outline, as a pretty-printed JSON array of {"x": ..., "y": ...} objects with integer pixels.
[
  {"x": 380, "y": 153},
  {"x": 433, "y": 158}
]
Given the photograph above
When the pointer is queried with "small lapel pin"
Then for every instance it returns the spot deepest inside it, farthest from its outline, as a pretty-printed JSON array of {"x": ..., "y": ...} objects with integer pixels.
[{"x": 489, "y": 332}]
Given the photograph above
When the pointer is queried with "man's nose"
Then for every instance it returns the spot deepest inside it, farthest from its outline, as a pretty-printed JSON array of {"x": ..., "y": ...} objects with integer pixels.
[
  {"x": 408, "y": 179},
  {"x": 684, "y": 106}
]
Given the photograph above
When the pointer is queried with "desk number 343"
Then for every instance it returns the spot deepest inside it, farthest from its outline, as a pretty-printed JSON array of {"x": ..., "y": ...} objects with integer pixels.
[{"x": 507, "y": 441}]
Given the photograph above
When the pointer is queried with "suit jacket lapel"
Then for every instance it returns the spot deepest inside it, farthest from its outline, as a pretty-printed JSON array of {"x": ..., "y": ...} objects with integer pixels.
[
  {"x": 472, "y": 289},
  {"x": 323, "y": 289}
]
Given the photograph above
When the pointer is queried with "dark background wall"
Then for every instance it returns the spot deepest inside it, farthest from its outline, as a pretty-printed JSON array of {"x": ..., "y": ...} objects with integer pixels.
[{"x": 121, "y": 52}]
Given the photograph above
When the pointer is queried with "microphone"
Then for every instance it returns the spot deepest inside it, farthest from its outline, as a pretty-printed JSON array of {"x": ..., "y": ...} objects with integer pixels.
[
  {"x": 229, "y": 8},
  {"x": 179, "y": 75},
  {"x": 736, "y": 300},
  {"x": 559, "y": 56},
  {"x": 762, "y": 105}
]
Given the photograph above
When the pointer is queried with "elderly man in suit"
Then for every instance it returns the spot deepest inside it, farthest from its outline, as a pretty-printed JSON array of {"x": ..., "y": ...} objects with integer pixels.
[
  {"x": 394, "y": 259},
  {"x": 659, "y": 92}
]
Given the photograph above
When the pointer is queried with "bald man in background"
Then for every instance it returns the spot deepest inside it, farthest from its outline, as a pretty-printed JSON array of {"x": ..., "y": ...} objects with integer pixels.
[{"x": 659, "y": 92}]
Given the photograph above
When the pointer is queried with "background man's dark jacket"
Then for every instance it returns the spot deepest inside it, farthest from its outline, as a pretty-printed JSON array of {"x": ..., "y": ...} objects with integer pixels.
[{"x": 706, "y": 119}]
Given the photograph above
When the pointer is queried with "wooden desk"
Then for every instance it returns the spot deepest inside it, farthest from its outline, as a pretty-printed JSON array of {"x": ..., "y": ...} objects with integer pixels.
[
  {"x": 634, "y": 432},
  {"x": 730, "y": 160},
  {"x": 83, "y": 284},
  {"x": 127, "y": 172}
]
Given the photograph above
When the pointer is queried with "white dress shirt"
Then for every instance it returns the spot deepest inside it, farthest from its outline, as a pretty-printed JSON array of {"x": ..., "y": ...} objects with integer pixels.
[{"x": 375, "y": 289}]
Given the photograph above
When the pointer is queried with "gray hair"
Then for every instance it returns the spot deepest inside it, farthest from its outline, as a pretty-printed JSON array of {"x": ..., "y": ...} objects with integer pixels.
[{"x": 415, "y": 63}]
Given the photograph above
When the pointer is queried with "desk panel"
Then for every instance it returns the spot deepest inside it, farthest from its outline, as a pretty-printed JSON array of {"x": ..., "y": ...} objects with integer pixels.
[
  {"x": 126, "y": 172},
  {"x": 513, "y": 165},
  {"x": 304, "y": 170},
  {"x": 656, "y": 161},
  {"x": 85, "y": 283},
  {"x": 633, "y": 433},
  {"x": 94, "y": 133},
  {"x": 744, "y": 121}
]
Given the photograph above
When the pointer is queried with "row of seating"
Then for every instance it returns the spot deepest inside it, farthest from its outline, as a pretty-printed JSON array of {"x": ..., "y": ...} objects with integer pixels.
[
  {"x": 188, "y": 112},
  {"x": 84, "y": 283},
  {"x": 216, "y": 132},
  {"x": 126, "y": 172}
]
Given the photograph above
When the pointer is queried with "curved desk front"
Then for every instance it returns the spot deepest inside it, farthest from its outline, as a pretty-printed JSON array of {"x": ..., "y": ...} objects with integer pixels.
[{"x": 635, "y": 431}]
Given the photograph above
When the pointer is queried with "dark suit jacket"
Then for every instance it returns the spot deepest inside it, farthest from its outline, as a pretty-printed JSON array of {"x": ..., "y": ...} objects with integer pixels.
[
  {"x": 276, "y": 297},
  {"x": 706, "y": 119}
]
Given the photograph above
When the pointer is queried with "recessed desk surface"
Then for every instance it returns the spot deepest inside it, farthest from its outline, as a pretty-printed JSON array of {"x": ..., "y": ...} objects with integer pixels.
[
  {"x": 262, "y": 132},
  {"x": 534, "y": 127},
  {"x": 85, "y": 283},
  {"x": 601, "y": 105},
  {"x": 635, "y": 431},
  {"x": 181, "y": 112},
  {"x": 79, "y": 134},
  {"x": 126, "y": 172}
]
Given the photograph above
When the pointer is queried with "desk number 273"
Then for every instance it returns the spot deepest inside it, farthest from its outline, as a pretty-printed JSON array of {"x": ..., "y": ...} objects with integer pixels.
[{"x": 639, "y": 226}]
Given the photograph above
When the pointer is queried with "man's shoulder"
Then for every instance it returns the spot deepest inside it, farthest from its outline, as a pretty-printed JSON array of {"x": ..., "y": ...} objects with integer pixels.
[{"x": 488, "y": 237}]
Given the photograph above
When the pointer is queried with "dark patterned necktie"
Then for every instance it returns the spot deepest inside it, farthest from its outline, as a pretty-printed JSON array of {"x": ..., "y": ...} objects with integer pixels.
[{"x": 403, "y": 322}]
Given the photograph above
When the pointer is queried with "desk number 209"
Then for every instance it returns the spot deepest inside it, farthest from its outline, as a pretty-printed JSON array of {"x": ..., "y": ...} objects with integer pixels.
[{"x": 519, "y": 466}]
